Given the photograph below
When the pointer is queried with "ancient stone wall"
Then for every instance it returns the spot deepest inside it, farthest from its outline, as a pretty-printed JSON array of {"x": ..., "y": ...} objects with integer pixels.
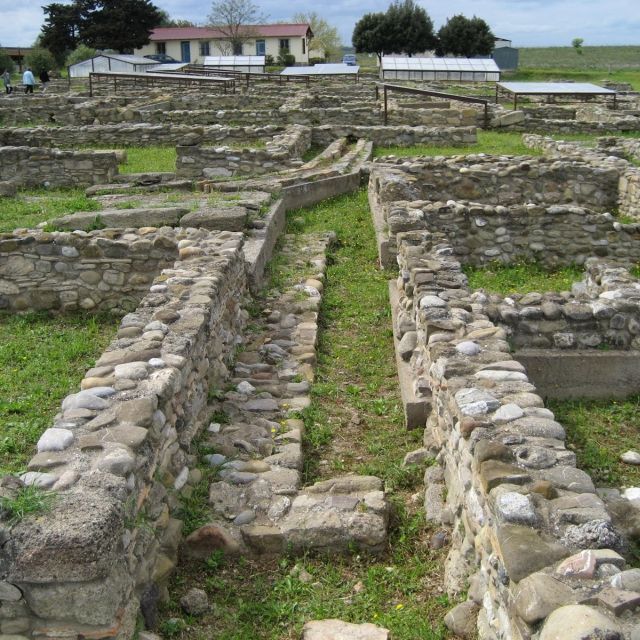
[
  {"x": 281, "y": 152},
  {"x": 118, "y": 456},
  {"x": 100, "y": 270},
  {"x": 142, "y": 134},
  {"x": 529, "y": 533},
  {"x": 35, "y": 167},
  {"x": 396, "y": 135},
  {"x": 601, "y": 311}
]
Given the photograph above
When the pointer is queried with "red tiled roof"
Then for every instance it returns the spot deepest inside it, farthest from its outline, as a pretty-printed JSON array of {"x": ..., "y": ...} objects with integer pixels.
[{"x": 201, "y": 33}]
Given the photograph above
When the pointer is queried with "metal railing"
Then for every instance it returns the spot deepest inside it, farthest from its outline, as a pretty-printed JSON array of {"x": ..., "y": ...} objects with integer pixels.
[{"x": 398, "y": 88}]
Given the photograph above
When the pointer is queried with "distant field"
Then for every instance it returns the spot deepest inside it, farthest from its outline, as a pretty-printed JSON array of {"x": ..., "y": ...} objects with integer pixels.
[{"x": 592, "y": 58}]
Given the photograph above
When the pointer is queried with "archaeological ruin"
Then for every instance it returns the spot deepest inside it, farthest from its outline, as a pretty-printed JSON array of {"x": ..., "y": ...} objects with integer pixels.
[{"x": 199, "y": 396}]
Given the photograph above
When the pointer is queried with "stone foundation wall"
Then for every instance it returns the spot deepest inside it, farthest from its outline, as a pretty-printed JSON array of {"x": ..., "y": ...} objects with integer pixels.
[
  {"x": 35, "y": 167},
  {"x": 100, "y": 270},
  {"x": 481, "y": 234},
  {"x": 529, "y": 534},
  {"x": 142, "y": 134},
  {"x": 601, "y": 311},
  {"x": 500, "y": 181},
  {"x": 401, "y": 136},
  {"x": 282, "y": 152},
  {"x": 118, "y": 456}
]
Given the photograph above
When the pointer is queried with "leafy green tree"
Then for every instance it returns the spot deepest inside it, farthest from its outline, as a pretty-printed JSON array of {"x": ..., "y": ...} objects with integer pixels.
[
  {"x": 60, "y": 32},
  {"x": 369, "y": 34},
  {"x": 403, "y": 28},
  {"x": 167, "y": 21},
  {"x": 40, "y": 59},
  {"x": 469, "y": 37},
  {"x": 6, "y": 62},
  {"x": 81, "y": 53},
  {"x": 577, "y": 43},
  {"x": 409, "y": 29},
  {"x": 123, "y": 25},
  {"x": 234, "y": 19},
  {"x": 325, "y": 37}
]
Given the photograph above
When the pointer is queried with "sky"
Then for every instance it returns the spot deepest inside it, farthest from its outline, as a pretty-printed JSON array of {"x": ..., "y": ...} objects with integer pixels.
[{"x": 525, "y": 22}]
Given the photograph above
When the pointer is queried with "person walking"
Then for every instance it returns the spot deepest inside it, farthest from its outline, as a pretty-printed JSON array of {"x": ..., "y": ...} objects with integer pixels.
[
  {"x": 44, "y": 79},
  {"x": 28, "y": 80},
  {"x": 6, "y": 78}
]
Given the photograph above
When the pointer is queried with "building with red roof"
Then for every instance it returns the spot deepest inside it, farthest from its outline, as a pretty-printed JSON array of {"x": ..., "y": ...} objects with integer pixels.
[{"x": 193, "y": 44}]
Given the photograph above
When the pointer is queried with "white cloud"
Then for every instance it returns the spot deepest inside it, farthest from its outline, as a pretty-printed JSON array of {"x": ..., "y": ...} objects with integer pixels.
[{"x": 526, "y": 22}]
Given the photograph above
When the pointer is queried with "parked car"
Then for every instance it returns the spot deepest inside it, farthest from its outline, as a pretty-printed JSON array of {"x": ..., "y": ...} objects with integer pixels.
[
  {"x": 163, "y": 58},
  {"x": 350, "y": 59}
]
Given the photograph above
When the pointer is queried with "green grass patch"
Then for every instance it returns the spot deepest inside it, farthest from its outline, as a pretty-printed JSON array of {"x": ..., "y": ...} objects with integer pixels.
[
  {"x": 42, "y": 359},
  {"x": 591, "y": 58},
  {"x": 149, "y": 160},
  {"x": 30, "y": 207},
  {"x": 27, "y": 501},
  {"x": 521, "y": 278},
  {"x": 490, "y": 142},
  {"x": 599, "y": 432},
  {"x": 282, "y": 595}
]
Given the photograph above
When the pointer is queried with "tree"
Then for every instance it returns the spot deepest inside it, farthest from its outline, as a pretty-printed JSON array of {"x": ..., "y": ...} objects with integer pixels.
[
  {"x": 39, "y": 60},
  {"x": 577, "y": 43},
  {"x": 234, "y": 19},
  {"x": 325, "y": 37},
  {"x": 167, "y": 21},
  {"x": 403, "y": 28},
  {"x": 122, "y": 25},
  {"x": 462, "y": 36},
  {"x": 6, "y": 62},
  {"x": 80, "y": 54},
  {"x": 369, "y": 34},
  {"x": 409, "y": 28},
  {"x": 60, "y": 32},
  {"x": 102, "y": 24}
]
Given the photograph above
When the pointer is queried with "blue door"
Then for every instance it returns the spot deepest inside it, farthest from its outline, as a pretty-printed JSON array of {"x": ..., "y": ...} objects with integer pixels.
[
  {"x": 185, "y": 51},
  {"x": 261, "y": 48}
]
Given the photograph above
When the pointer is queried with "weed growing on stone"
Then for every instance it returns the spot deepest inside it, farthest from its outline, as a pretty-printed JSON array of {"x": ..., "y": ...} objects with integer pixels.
[
  {"x": 27, "y": 501},
  {"x": 521, "y": 278},
  {"x": 599, "y": 431},
  {"x": 30, "y": 207},
  {"x": 490, "y": 142},
  {"x": 42, "y": 359}
]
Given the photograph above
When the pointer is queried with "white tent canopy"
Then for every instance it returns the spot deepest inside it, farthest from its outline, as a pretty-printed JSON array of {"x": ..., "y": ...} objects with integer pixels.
[
  {"x": 248, "y": 64},
  {"x": 337, "y": 69},
  {"x": 111, "y": 62}
]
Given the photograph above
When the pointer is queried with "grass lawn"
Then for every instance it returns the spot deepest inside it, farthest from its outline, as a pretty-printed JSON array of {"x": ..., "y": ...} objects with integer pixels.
[
  {"x": 353, "y": 425},
  {"x": 490, "y": 142},
  {"x": 149, "y": 160},
  {"x": 599, "y": 432},
  {"x": 30, "y": 207},
  {"x": 521, "y": 278},
  {"x": 42, "y": 359}
]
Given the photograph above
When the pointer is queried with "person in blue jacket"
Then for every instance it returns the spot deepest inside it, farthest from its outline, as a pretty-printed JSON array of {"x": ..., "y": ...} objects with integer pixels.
[{"x": 28, "y": 81}]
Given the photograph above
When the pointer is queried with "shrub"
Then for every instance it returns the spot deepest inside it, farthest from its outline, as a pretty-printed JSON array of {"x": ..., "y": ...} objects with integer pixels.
[
  {"x": 80, "y": 54},
  {"x": 6, "y": 62},
  {"x": 313, "y": 61},
  {"x": 40, "y": 60},
  {"x": 286, "y": 59},
  {"x": 269, "y": 61}
]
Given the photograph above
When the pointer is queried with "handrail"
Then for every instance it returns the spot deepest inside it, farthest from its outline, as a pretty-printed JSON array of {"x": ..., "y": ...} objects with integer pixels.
[{"x": 398, "y": 88}]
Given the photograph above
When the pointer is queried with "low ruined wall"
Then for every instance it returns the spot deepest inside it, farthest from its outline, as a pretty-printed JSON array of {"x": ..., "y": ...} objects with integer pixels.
[
  {"x": 100, "y": 270},
  {"x": 281, "y": 152},
  {"x": 499, "y": 180},
  {"x": 118, "y": 456},
  {"x": 35, "y": 167},
  {"x": 401, "y": 136},
  {"x": 601, "y": 311},
  {"x": 142, "y": 135},
  {"x": 481, "y": 234},
  {"x": 525, "y": 522}
]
